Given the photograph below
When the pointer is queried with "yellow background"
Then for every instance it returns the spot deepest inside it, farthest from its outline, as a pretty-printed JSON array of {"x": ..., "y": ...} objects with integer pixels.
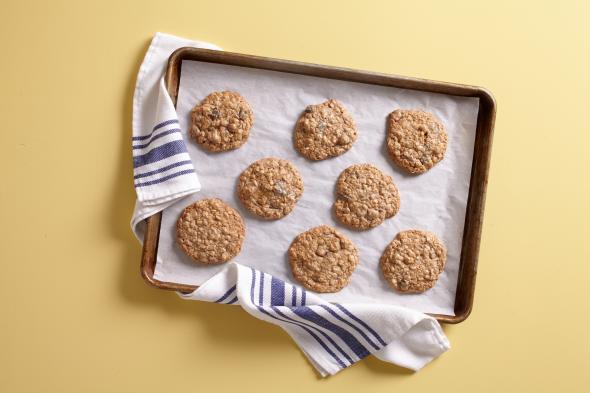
[{"x": 76, "y": 316}]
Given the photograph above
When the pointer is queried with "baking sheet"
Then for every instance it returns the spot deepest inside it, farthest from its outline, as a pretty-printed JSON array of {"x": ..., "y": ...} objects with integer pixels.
[{"x": 434, "y": 201}]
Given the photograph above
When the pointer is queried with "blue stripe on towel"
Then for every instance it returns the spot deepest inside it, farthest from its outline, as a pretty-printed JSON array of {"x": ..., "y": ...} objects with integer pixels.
[
  {"x": 293, "y": 296},
  {"x": 302, "y": 324},
  {"x": 159, "y": 153},
  {"x": 163, "y": 179},
  {"x": 157, "y": 127},
  {"x": 298, "y": 323},
  {"x": 225, "y": 295},
  {"x": 275, "y": 309},
  {"x": 333, "y": 313},
  {"x": 277, "y": 292},
  {"x": 155, "y": 137},
  {"x": 163, "y": 169},
  {"x": 235, "y": 299},
  {"x": 309, "y": 314},
  {"x": 311, "y": 333},
  {"x": 345, "y": 311}
]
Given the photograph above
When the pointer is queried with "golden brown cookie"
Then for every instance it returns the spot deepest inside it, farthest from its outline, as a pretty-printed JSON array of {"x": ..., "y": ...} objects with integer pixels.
[
  {"x": 325, "y": 130},
  {"x": 322, "y": 259},
  {"x": 416, "y": 140},
  {"x": 270, "y": 188},
  {"x": 222, "y": 121},
  {"x": 365, "y": 197},
  {"x": 210, "y": 231},
  {"x": 413, "y": 261}
]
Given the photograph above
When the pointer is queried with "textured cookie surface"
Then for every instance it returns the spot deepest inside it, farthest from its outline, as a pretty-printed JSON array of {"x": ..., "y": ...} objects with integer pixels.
[
  {"x": 270, "y": 187},
  {"x": 365, "y": 197},
  {"x": 322, "y": 259},
  {"x": 416, "y": 140},
  {"x": 325, "y": 130},
  {"x": 210, "y": 231},
  {"x": 222, "y": 121},
  {"x": 413, "y": 261}
]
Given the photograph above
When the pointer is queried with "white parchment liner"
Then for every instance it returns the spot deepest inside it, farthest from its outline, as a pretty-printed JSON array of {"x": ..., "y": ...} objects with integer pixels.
[{"x": 434, "y": 201}]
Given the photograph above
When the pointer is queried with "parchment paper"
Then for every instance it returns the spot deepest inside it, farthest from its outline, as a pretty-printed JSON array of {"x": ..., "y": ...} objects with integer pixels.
[{"x": 434, "y": 201}]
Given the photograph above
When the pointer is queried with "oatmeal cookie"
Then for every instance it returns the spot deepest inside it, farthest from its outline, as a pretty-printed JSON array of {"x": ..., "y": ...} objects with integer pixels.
[
  {"x": 365, "y": 197},
  {"x": 413, "y": 261},
  {"x": 322, "y": 259},
  {"x": 324, "y": 130},
  {"x": 416, "y": 140},
  {"x": 222, "y": 121},
  {"x": 270, "y": 188},
  {"x": 210, "y": 231}
]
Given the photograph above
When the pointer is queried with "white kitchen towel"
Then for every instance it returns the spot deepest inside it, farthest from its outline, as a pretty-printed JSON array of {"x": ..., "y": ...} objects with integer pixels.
[
  {"x": 332, "y": 336},
  {"x": 162, "y": 169}
]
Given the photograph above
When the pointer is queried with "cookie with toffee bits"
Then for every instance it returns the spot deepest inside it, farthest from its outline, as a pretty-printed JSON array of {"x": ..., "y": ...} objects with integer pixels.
[
  {"x": 210, "y": 231},
  {"x": 270, "y": 188},
  {"x": 222, "y": 121},
  {"x": 416, "y": 140},
  {"x": 413, "y": 261},
  {"x": 322, "y": 259},
  {"x": 365, "y": 197},
  {"x": 324, "y": 130}
]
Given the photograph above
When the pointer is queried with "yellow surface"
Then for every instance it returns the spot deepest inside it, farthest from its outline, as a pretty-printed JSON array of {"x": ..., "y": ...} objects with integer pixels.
[{"x": 76, "y": 316}]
